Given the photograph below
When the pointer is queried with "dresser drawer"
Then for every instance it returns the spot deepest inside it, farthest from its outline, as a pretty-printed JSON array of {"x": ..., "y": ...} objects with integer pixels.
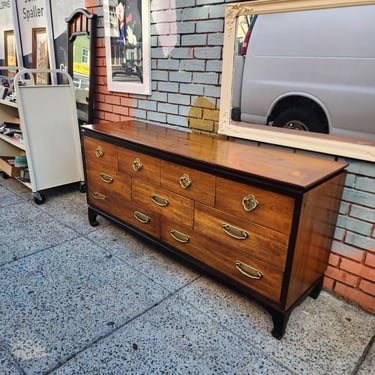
[
  {"x": 108, "y": 196},
  {"x": 163, "y": 202},
  {"x": 139, "y": 165},
  {"x": 141, "y": 218},
  {"x": 234, "y": 263},
  {"x": 179, "y": 236},
  {"x": 101, "y": 176},
  {"x": 231, "y": 231},
  {"x": 266, "y": 208},
  {"x": 189, "y": 182},
  {"x": 247, "y": 271},
  {"x": 101, "y": 156}
]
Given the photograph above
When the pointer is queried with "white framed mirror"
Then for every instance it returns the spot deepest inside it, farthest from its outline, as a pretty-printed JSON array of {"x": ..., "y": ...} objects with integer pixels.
[{"x": 301, "y": 74}]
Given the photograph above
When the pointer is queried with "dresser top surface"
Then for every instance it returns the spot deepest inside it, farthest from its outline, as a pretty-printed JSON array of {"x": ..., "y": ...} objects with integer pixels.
[{"x": 275, "y": 165}]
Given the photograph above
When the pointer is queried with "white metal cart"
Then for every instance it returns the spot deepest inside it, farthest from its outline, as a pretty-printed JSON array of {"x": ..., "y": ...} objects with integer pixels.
[{"x": 50, "y": 130}]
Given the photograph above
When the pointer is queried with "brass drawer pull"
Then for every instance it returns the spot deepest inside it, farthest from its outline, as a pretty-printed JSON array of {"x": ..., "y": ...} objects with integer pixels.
[
  {"x": 250, "y": 203},
  {"x": 160, "y": 201},
  {"x": 248, "y": 271},
  {"x": 144, "y": 219},
  {"x": 137, "y": 165},
  {"x": 99, "y": 153},
  {"x": 106, "y": 178},
  {"x": 99, "y": 196},
  {"x": 180, "y": 237},
  {"x": 234, "y": 232},
  {"x": 185, "y": 181}
]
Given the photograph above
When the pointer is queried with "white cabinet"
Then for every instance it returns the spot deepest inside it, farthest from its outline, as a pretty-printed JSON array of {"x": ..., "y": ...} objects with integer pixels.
[{"x": 48, "y": 121}]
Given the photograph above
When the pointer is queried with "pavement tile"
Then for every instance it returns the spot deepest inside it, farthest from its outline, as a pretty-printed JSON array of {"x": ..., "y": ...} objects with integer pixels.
[
  {"x": 160, "y": 267},
  {"x": 17, "y": 188},
  {"x": 59, "y": 301},
  {"x": 69, "y": 206},
  {"x": 368, "y": 365},
  {"x": 172, "y": 338},
  {"x": 24, "y": 230},
  {"x": 7, "y": 197},
  {"x": 323, "y": 336},
  {"x": 7, "y": 366}
]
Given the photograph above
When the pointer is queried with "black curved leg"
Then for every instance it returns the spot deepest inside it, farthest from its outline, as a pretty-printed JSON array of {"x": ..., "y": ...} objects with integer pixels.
[
  {"x": 317, "y": 289},
  {"x": 280, "y": 321},
  {"x": 92, "y": 217}
]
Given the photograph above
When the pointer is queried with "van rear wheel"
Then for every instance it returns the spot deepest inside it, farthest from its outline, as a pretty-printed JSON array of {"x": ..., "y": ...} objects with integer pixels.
[{"x": 300, "y": 119}]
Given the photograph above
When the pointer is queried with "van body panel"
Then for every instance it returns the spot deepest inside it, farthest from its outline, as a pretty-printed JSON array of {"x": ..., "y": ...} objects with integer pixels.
[{"x": 327, "y": 55}]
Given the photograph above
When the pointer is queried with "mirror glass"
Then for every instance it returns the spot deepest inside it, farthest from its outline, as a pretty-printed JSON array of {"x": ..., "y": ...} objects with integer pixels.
[
  {"x": 81, "y": 59},
  {"x": 81, "y": 75},
  {"x": 301, "y": 74}
]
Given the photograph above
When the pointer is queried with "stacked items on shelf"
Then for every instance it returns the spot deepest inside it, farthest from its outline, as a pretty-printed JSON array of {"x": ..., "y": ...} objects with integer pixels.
[
  {"x": 6, "y": 88},
  {"x": 12, "y": 130},
  {"x": 13, "y": 166}
]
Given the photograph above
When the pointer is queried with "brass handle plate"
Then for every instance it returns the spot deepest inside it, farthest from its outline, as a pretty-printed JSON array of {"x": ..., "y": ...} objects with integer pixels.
[
  {"x": 160, "y": 201},
  {"x": 106, "y": 178},
  {"x": 180, "y": 237},
  {"x": 144, "y": 219},
  {"x": 99, "y": 152},
  {"x": 250, "y": 203},
  {"x": 248, "y": 271},
  {"x": 185, "y": 181},
  {"x": 99, "y": 196},
  {"x": 137, "y": 165},
  {"x": 234, "y": 232}
]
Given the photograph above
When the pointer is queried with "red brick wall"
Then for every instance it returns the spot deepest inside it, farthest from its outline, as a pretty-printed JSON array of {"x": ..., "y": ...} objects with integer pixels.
[{"x": 351, "y": 270}]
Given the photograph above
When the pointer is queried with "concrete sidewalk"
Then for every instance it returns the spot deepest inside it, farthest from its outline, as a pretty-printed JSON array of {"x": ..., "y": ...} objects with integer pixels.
[{"x": 75, "y": 299}]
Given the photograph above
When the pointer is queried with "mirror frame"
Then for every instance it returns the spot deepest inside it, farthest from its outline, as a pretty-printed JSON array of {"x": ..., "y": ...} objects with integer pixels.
[
  {"x": 355, "y": 148},
  {"x": 81, "y": 22}
]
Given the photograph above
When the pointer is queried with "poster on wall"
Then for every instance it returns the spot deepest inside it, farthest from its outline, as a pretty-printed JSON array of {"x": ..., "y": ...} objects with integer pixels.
[
  {"x": 32, "y": 15},
  {"x": 10, "y": 48},
  {"x": 8, "y": 38},
  {"x": 127, "y": 44},
  {"x": 40, "y": 54}
]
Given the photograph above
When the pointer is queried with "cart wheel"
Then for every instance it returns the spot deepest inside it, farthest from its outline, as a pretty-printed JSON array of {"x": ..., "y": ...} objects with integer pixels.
[
  {"x": 4, "y": 175},
  {"x": 39, "y": 198},
  {"x": 82, "y": 187}
]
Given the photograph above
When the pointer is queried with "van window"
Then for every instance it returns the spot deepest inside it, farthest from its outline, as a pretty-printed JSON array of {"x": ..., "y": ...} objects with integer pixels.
[{"x": 299, "y": 34}]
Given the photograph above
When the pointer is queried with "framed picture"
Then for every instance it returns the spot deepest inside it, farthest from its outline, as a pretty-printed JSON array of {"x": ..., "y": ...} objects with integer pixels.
[
  {"x": 10, "y": 48},
  {"x": 127, "y": 44},
  {"x": 40, "y": 54}
]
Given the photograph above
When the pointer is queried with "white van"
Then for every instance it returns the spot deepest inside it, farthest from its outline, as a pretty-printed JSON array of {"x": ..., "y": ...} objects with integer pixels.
[{"x": 309, "y": 70}]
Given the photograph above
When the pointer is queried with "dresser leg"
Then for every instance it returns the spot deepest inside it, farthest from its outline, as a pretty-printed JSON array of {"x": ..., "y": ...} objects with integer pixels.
[
  {"x": 317, "y": 289},
  {"x": 92, "y": 217},
  {"x": 280, "y": 321}
]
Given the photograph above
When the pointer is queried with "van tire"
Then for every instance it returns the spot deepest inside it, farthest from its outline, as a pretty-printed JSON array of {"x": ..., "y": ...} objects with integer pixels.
[
  {"x": 301, "y": 119},
  {"x": 236, "y": 114}
]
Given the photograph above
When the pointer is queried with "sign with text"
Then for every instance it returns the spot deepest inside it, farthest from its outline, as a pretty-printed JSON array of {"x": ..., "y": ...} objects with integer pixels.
[{"x": 32, "y": 15}]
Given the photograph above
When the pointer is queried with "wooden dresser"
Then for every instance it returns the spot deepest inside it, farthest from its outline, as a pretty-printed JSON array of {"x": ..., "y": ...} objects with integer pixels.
[{"x": 259, "y": 219}]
